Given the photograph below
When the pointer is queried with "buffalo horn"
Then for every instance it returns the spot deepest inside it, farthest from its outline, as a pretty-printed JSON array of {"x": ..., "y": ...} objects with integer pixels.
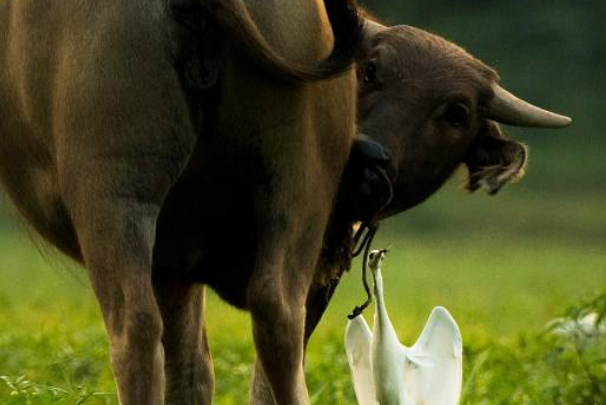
[{"x": 508, "y": 109}]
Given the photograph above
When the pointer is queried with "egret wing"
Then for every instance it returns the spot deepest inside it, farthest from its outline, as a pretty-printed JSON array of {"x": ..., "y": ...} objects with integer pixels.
[
  {"x": 441, "y": 334},
  {"x": 435, "y": 370},
  {"x": 358, "y": 338}
]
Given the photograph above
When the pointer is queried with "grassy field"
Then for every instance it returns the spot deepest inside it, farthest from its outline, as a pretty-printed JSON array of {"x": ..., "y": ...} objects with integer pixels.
[{"x": 503, "y": 266}]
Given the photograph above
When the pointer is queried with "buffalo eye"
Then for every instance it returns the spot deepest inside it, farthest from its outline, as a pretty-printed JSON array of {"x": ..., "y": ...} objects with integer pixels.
[
  {"x": 457, "y": 115},
  {"x": 370, "y": 72}
]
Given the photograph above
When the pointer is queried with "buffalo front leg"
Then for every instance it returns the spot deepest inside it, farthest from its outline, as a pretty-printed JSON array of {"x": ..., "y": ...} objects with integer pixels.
[
  {"x": 116, "y": 238},
  {"x": 318, "y": 299},
  {"x": 188, "y": 366}
]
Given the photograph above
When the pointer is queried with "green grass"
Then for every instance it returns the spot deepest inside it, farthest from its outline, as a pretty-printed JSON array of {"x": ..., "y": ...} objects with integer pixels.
[{"x": 503, "y": 266}]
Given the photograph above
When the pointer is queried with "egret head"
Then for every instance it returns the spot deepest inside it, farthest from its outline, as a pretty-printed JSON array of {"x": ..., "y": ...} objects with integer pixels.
[{"x": 375, "y": 258}]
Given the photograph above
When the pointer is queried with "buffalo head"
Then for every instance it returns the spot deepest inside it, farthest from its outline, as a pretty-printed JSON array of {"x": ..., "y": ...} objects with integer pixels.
[{"x": 433, "y": 106}]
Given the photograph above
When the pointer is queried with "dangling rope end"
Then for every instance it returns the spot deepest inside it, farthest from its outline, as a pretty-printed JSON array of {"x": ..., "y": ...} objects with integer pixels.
[
  {"x": 364, "y": 246},
  {"x": 357, "y": 311}
]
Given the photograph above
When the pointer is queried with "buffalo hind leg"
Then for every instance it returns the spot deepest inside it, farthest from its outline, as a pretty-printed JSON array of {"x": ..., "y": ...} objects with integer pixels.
[
  {"x": 116, "y": 236},
  {"x": 278, "y": 326},
  {"x": 277, "y": 294},
  {"x": 188, "y": 366},
  {"x": 318, "y": 299}
]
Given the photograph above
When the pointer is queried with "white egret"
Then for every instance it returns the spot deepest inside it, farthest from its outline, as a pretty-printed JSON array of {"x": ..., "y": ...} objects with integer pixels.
[{"x": 386, "y": 372}]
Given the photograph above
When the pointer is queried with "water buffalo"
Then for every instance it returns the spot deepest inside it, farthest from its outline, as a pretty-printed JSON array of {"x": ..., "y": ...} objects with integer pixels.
[{"x": 112, "y": 152}]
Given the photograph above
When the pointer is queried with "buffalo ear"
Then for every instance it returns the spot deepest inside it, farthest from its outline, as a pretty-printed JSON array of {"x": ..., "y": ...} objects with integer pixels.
[{"x": 494, "y": 160}]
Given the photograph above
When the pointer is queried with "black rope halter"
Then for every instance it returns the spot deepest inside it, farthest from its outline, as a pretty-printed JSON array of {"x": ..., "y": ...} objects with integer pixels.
[
  {"x": 369, "y": 232},
  {"x": 379, "y": 172}
]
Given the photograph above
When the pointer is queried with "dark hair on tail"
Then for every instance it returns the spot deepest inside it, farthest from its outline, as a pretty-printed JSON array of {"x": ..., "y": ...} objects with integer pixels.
[
  {"x": 344, "y": 18},
  {"x": 347, "y": 25}
]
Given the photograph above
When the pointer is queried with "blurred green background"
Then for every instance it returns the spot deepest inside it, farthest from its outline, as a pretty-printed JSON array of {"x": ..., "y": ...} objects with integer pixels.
[{"x": 504, "y": 266}]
